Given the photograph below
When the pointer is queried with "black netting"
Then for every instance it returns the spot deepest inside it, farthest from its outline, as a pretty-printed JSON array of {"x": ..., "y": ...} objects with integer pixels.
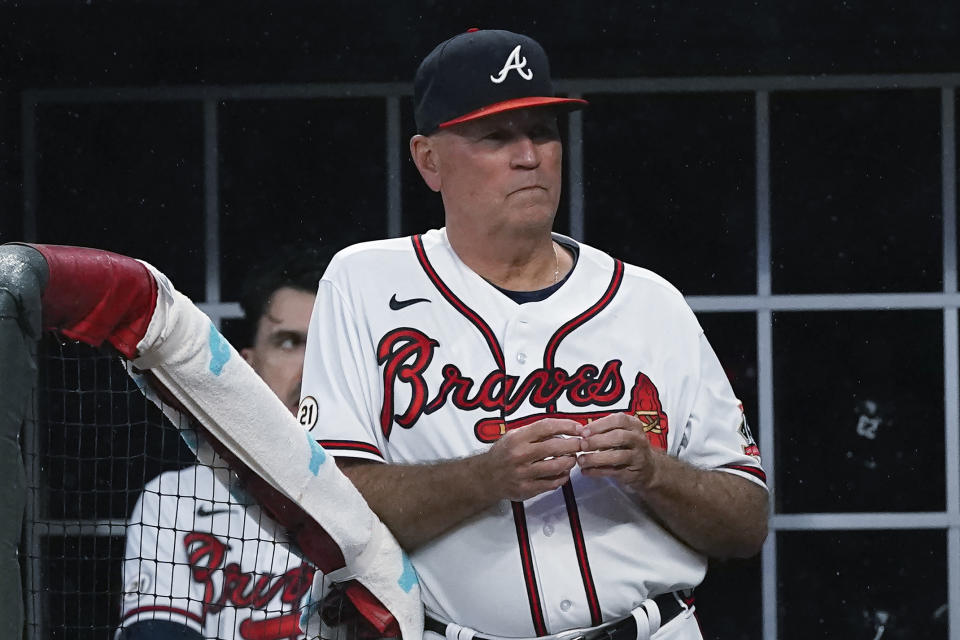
[{"x": 93, "y": 445}]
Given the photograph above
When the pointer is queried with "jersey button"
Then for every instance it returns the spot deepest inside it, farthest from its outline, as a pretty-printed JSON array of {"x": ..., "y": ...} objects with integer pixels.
[
  {"x": 548, "y": 530},
  {"x": 521, "y": 357},
  {"x": 565, "y": 605}
]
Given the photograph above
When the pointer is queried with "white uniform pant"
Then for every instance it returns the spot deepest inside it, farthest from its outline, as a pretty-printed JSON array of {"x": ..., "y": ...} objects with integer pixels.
[{"x": 683, "y": 627}]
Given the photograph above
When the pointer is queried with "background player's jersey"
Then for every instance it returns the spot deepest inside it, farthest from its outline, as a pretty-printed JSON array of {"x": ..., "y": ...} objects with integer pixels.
[
  {"x": 413, "y": 357},
  {"x": 198, "y": 557}
]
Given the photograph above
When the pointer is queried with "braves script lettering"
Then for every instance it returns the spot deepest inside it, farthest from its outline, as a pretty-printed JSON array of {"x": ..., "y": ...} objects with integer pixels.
[
  {"x": 406, "y": 353},
  {"x": 206, "y": 554}
]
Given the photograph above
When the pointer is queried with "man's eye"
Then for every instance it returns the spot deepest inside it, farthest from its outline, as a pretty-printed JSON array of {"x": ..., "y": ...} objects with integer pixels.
[
  {"x": 288, "y": 341},
  {"x": 544, "y": 133}
]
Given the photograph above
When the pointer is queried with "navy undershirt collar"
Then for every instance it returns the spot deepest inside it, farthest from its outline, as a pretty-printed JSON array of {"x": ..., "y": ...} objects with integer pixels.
[{"x": 521, "y": 297}]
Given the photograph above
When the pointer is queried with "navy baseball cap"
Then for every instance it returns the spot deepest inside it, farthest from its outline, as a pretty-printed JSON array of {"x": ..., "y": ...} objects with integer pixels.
[{"x": 480, "y": 73}]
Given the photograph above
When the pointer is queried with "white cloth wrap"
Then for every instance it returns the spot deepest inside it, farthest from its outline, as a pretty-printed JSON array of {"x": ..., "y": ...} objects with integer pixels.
[{"x": 186, "y": 353}]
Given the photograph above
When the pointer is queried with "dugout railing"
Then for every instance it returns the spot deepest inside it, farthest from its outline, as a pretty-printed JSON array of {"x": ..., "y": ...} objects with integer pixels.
[{"x": 765, "y": 301}]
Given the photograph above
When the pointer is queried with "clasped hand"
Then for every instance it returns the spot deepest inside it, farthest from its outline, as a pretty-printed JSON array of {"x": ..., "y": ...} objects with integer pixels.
[{"x": 539, "y": 457}]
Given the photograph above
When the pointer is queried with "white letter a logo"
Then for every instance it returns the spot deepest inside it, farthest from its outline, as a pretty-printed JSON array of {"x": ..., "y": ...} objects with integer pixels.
[{"x": 513, "y": 62}]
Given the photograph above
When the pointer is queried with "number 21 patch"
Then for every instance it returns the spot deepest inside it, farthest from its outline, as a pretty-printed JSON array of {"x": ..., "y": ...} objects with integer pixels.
[{"x": 307, "y": 413}]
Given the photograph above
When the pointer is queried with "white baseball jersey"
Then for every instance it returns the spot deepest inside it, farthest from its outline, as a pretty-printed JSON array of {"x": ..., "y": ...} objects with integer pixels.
[
  {"x": 413, "y": 357},
  {"x": 198, "y": 557}
]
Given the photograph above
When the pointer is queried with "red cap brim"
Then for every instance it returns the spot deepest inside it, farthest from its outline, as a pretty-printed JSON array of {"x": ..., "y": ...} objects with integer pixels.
[{"x": 516, "y": 103}]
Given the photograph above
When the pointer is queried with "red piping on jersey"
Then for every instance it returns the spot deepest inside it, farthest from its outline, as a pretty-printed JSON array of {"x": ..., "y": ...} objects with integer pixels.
[
  {"x": 756, "y": 472},
  {"x": 596, "y": 617},
  {"x": 350, "y": 445},
  {"x": 566, "y": 329},
  {"x": 530, "y": 579},
  {"x": 573, "y": 514},
  {"x": 519, "y": 518},
  {"x": 182, "y": 612},
  {"x": 457, "y": 303}
]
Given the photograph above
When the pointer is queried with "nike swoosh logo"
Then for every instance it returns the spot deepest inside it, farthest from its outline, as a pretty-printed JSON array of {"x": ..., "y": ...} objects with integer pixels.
[
  {"x": 203, "y": 512},
  {"x": 396, "y": 305}
]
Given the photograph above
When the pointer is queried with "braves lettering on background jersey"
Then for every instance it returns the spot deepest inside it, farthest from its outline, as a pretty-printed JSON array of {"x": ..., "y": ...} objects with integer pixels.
[
  {"x": 446, "y": 378},
  {"x": 197, "y": 557}
]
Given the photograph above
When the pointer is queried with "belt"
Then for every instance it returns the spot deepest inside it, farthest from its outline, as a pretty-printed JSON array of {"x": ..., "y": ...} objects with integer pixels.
[{"x": 670, "y": 605}]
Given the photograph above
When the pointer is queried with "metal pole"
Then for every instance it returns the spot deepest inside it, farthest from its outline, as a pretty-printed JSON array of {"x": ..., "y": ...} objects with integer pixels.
[{"x": 765, "y": 356}]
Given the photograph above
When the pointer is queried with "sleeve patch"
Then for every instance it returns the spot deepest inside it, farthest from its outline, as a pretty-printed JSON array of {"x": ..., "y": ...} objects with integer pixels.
[{"x": 307, "y": 413}]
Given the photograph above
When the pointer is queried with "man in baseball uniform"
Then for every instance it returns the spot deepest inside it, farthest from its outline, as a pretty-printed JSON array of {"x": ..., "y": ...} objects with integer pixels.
[
  {"x": 200, "y": 563},
  {"x": 544, "y": 428}
]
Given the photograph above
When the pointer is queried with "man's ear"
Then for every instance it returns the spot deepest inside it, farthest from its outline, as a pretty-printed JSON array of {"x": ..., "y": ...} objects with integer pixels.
[{"x": 424, "y": 154}]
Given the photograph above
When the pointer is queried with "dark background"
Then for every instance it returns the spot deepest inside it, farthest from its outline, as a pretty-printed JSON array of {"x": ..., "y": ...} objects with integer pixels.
[
  {"x": 55, "y": 43},
  {"x": 856, "y": 207}
]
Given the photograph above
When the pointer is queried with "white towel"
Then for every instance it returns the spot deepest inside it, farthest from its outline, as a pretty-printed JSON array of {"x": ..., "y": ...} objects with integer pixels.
[{"x": 187, "y": 354}]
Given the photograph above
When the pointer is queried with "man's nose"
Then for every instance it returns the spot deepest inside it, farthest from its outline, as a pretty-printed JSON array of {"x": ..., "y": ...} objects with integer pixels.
[{"x": 526, "y": 153}]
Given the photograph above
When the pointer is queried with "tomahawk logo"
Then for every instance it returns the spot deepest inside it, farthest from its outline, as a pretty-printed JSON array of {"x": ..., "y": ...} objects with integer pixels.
[{"x": 513, "y": 62}]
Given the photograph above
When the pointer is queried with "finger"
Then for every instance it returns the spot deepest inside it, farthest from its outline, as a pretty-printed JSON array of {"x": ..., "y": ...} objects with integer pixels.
[
  {"x": 613, "y": 459},
  {"x": 602, "y": 472},
  {"x": 616, "y": 439},
  {"x": 555, "y": 447},
  {"x": 608, "y": 423},
  {"x": 555, "y": 467},
  {"x": 550, "y": 428},
  {"x": 537, "y": 487},
  {"x": 516, "y": 451},
  {"x": 543, "y": 486}
]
